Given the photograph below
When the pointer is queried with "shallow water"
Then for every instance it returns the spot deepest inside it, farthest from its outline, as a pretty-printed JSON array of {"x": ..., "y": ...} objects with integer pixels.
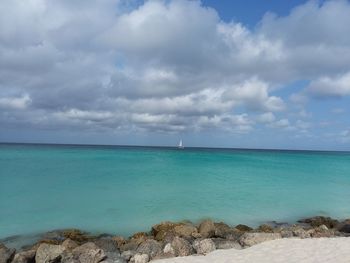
[{"x": 123, "y": 190}]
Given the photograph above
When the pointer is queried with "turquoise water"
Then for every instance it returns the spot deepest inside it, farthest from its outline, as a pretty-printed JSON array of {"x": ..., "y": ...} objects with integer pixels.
[{"x": 123, "y": 190}]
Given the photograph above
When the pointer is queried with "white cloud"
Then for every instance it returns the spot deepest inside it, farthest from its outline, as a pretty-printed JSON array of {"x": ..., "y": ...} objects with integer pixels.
[{"x": 17, "y": 103}]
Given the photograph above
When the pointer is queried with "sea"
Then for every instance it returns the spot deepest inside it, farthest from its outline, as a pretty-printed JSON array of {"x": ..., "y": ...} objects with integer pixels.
[{"x": 125, "y": 189}]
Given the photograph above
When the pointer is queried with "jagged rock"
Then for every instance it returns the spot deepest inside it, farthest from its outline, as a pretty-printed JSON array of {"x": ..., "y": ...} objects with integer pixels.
[
  {"x": 207, "y": 229},
  {"x": 221, "y": 243},
  {"x": 127, "y": 255},
  {"x": 181, "y": 247},
  {"x": 317, "y": 221},
  {"x": 243, "y": 228},
  {"x": 185, "y": 230},
  {"x": 24, "y": 257},
  {"x": 159, "y": 231},
  {"x": 265, "y": 228},
  {"x": 250, "y": 239},
  {"x": 139, "y": 258},
  {"x": 204, "y": 246},
  {"x": 106, "y": 244},
  {"x": 6, "y": 254},
  {"x": 130, "y": 245},
  {"x": 69, "y": 244},
  {"x": 150, "y": 247},
  {"x": 89, "y": 253},
  {"x": 47, "y": 253}
]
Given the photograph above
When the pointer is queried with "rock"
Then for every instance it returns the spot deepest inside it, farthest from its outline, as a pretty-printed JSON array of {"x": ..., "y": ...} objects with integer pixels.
[
  {"x": 207, "y": 229},
  {"x": 185, "y": 231},
  {"x": 76, "y": 235},
  {"x": 89, "y": 253},
  {"x": 344, "y": 226},
  {"x": 113, "y": 257},
  {"x": 221, "y": 230},
  {"x": 243, "y": 228},
  {"x": 181, "y": 247},
  {"x": 127, "y": 255},
  {"x": 6, "y": 254},
  {"x": 250, "y": 239},
  {"x": 286, "y": 233},
  {"x": 130, "y": 245},
  {"x": 221, "y": 243},
  {"x": 119, "y": 241},
  {"x": 300, "y": 232},
  {"x": 169, "y": 250},
  {"x": 265, "y": 228},
  {"x": 317, "y": 221},
  {"x": 159, "y": 231},
  {"x": 47, "y": 253},
  {"x": 204, "y": 246},
  {"x": 24, "y": 257},
  {"x": 69, "y": 244},
  {"x": 139, "y": 258},
  {"x": 107, "y": 244},
  {"x": 150, "y": 247}
]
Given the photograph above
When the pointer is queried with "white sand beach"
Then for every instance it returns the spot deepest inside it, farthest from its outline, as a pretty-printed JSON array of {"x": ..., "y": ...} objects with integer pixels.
[{"x": 291, "y": 250}]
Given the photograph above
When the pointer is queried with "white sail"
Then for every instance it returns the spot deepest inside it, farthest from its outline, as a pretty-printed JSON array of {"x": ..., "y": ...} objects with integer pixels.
[{"x": 181, "y": 145}]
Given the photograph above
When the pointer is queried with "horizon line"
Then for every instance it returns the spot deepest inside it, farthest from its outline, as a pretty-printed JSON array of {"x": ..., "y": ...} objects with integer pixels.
[{"x": 172, "y": 147}]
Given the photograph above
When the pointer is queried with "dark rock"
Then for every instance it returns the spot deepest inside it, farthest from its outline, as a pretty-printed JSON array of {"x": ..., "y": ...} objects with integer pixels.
[
  {"x": 320, "y": 220},
  {"x": 344, "y": 226},
  {"x": 119, "y": 241},
  {"x": 128, "y": 254},
  {"x": 6, "y": 254},
  {"x": 150, "y": 247},
  {"x": 243, "y": 228},
  {"x": 185, "y": 230},
  {"x": 207, "y": 229},
  {"x": 204, "y": 246},
  {"x": 159, "y": 231},
  {"x": 76, "y": 235}
]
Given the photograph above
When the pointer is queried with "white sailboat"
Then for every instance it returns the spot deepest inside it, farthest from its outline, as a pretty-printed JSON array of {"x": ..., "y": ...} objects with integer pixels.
[{"x": 181, "y": 146}]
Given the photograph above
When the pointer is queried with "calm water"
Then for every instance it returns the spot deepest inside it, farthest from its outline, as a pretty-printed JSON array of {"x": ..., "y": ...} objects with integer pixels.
[{"x": 124, "y": 190}]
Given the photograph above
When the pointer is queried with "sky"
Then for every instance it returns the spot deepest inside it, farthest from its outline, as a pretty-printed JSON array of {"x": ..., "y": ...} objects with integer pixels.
[{"x": 242, "y": 74}]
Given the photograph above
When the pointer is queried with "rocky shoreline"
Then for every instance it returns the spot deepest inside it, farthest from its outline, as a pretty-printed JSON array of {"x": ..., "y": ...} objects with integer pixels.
[{"x": 165, "y": 240}]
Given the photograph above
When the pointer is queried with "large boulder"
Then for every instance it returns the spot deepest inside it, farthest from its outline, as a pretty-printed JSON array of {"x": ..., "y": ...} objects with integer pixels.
[
  {"x": 48, "y": 253},
  {"x": 89, "y": 253},
  {"x": 6, "y": 254},
  {"x": 150, "y": 247},
  {"x": 128, "y": 254},
  {"x": 206, "y": 229},
  {"x": 204, "y": 246},
  {"x": 160, "y": 231},
  {"x": 249, "y": 239},
  {"x": 317, "y": 221},
  {"x": 181, "y": 247},
  {"x": 69, "y": 244}
]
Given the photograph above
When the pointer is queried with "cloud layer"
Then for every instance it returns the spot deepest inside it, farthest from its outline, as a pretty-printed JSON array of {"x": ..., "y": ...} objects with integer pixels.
[{"x": 165, "y": 66}]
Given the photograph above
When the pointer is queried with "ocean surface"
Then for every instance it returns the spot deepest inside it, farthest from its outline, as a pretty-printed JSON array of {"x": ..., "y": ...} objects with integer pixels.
[{"x": 122, "y": 190}]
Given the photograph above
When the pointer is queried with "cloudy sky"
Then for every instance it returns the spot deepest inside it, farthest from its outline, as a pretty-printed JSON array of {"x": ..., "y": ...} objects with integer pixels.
[{"x": 263, "y": 74}]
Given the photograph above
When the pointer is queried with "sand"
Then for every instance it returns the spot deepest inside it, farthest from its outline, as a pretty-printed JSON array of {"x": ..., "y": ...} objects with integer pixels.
[{"x": 317, "y": 250}]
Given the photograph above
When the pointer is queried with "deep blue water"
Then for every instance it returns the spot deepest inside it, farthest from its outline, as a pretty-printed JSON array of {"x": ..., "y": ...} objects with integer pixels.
[{"x": 123, "y": 190}]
